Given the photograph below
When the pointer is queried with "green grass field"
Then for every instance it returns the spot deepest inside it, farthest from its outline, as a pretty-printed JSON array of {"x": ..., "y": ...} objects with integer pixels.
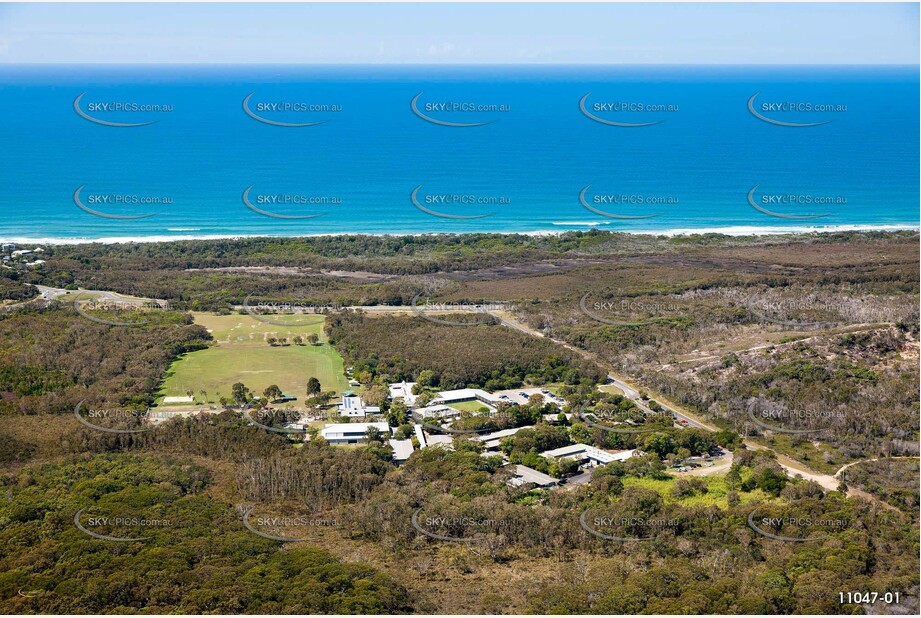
[
  {"x": 469, "y": 406},
  {"x": 241, "y": 353}
]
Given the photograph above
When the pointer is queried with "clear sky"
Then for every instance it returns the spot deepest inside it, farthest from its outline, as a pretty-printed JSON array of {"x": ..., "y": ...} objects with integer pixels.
[{"x": 687, "y": 33}]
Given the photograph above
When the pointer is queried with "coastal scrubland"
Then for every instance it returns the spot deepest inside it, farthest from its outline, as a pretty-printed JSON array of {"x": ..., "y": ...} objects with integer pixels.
[{"x": 820, "y": 330}]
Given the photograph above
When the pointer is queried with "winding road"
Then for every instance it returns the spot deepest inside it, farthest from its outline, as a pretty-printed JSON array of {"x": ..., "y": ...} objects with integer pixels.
[
  {"x": 791, "y": 466},
  {"x": 684, "y": 418}
]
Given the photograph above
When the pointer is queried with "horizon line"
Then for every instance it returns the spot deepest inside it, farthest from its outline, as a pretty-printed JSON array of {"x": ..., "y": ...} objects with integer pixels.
[{"x": 469, "y": 64}]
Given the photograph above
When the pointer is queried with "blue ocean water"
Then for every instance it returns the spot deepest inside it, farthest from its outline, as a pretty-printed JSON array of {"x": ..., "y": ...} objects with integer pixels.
[{"x": 704, "y": 162}]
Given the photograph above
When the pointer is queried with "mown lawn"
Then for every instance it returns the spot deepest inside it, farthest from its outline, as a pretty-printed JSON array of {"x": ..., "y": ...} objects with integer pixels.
[
  {"x": 241, "y": 353},
  {"x": 469, "y": 406}
]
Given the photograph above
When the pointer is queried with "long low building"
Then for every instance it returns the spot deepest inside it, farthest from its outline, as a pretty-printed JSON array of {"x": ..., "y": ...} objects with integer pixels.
[
  {"x": 492, "y": 440},
  {"x": 524, "y": 475},
  {"x": 584, "y": 452},
  {"x": 351, "y": 433},
  {"x": 465, "y": 394},
  {"x": 437, "y": 411}
]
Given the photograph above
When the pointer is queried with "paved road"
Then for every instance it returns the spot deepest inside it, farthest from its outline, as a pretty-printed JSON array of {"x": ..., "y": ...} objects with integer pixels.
[
  {"x": 629, "y": 391},
  {"x": 791, "y": 466}
]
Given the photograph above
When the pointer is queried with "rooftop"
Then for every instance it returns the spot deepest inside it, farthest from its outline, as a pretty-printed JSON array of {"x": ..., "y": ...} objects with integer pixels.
[
  {"x": 402, "y": 449},
  {"x": 355, "y": 428},
  {"x": 524, "y": 474},
  {"x": 576, "y": 450}
]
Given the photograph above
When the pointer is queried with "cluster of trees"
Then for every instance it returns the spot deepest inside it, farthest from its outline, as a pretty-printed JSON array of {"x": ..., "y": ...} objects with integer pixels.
[
  {"x": 491, "y": 357},
  {"x": 52, "y": 358},
  {"x": 198, "y": 558},
  {"x": 376, "y": 501},
  {"x": 506, "y": 416},
  {"x": 861, "y": 386},
  {"x": 312, "y": 339},
  {"x": 315, "y": 474},
  {"x": 894, "y": 480},
  {"x": 860, "y": 399},
  {"x": 13, "y": 288},
  {"x": 709, "y": 554}
]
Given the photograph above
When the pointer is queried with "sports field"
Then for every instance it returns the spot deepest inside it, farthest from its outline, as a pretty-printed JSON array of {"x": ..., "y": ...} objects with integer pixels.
[
  {"x": 241, "y": 353},
  {"x": 469, "y": 406}
]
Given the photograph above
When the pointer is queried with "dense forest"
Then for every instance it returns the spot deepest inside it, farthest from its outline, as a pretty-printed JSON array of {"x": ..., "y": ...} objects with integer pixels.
[
  {"x": 704, "y": 558},
  {"x": 476, "y": 355},
  {"x": 52, "y": 358},
  {"x": 195, "y": 556}
]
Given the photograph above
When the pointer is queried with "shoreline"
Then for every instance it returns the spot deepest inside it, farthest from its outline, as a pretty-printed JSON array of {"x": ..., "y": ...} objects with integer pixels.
[{"x": 732, "y": 231}]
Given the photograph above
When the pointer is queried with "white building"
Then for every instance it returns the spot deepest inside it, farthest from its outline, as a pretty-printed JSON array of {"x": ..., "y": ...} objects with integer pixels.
[
  {"x": 402, "y": 449},
  {"x": 524, "y": 474},
  {"x": 437, "y": 411},
  {"x": 351, "y": 433},
  {"x": 404, "y": 391},
  {"x": 352, "y": 406},
  {"x": 440, "y": 440},
  {"x": 492, "y": 440},
  {"x": 420, "y": 435},
  {"x": 466, "y": 394},
  {"x": 584, "y": 452}
]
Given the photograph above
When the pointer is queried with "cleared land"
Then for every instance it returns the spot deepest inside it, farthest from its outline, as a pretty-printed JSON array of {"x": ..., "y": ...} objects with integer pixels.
[{"x": 241, "y": 353}]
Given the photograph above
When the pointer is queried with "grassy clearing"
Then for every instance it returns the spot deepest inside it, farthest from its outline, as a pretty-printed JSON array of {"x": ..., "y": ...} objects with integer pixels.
[
  {"x": 822, "y": 457},
  {"x": 610, "y": 388},
  {"x": 469, "y": 406},
  {"x": 716, "y": 491},
  {"x": 241, "y": 353}
]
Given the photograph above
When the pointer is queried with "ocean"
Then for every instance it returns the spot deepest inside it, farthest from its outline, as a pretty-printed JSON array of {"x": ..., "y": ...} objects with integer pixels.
[{"x": 424, "y": 149}]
